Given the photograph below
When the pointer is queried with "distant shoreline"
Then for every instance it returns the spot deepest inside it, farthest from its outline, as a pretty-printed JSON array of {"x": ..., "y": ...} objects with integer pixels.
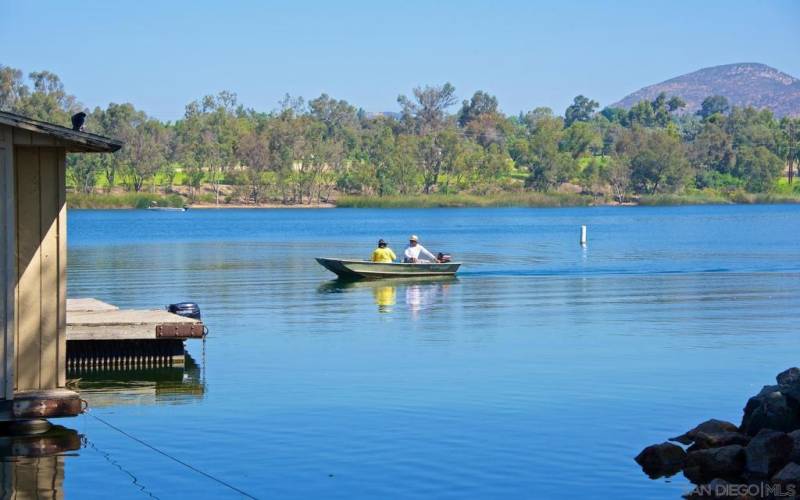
[{"x": 501, "y": 200}]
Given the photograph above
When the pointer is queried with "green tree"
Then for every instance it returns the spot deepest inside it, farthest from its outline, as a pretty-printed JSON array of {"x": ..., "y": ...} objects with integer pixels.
[
  {"x": 82, "y": 171},
  {"x": 759, "y": 166},
  {"x": 580, "y": 138},
  {"x": 48, "y": 101},
  {"x": 255, "y": 155},
  {"x": 548, "y": 165},
  {"x": 146, "y": 149},
  {"x": 12, "y": 88},
  {"x": 426, "y": 112},
  {"x": 617, "y": 174},
  {"x": 581, "y": 110},
  {"x": 657, "y": 160},
  {"x": 712, "y": 149},
  {"x": 790, "y": 144},
  {"x": 715, "y": 104},
  {"x": 481, "y": 103}
]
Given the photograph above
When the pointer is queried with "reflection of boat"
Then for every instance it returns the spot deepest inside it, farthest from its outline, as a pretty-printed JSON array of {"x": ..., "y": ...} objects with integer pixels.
[
  {"x": 420, "y": 292},
  {"x": 385, "y": 297},
  {"x": 340, "y": 285},
  {"x": 359, "y": 269}
]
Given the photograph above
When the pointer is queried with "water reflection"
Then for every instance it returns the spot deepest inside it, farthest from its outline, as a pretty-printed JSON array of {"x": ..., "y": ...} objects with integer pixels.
[
  {"x": 419, "y": 294},
  {"x": 33, "y": 466},
  {"x": 385, "y": 297},
  {"x": 175, "y": 385}
]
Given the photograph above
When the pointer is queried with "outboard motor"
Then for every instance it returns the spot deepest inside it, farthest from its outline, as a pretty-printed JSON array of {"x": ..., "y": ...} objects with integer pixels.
[
  {"x": 185, "y": 309},
  {"x": 443, "y": 257}
]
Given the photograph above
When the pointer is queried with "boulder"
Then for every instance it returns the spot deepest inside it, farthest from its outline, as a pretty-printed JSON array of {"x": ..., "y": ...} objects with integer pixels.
[
  {"x": 725, "y": 462},
  {"x": 712, "y": 426},
  {"x": 660, "y": 460},
  {"x": 703, "y": 440},
  {"x": 770, "y": 409},
  {"x": 795, "y": 456},
  {"x": 789, "y": 377},
  {"x": 789, "y": 474},
  {"x": 767, "y": 453}
]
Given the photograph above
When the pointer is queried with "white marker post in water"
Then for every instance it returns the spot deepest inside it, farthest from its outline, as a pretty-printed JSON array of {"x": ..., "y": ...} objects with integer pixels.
[{"x": 583, "y": 236}]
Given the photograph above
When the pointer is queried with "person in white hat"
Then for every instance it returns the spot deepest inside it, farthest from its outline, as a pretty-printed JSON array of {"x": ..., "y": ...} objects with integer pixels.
[{"x": 417, "y": 253}]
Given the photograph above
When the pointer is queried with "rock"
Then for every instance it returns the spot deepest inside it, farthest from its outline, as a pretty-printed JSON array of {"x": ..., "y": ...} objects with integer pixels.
[
  {"x": 789, "y": 474},
  {"x": 770, "y": 409},
  {"x": 795, "y": 455},
  {"x": 703, "y": 440},
  {"x": 767, "y": 452},
  {"x": 712, "y": 426},
  {"x": 789, "y": 377},
  {"x": 660, "y": 460},
  {"x": 725, "y": 462},
  {"x": 789, "y": 384}
]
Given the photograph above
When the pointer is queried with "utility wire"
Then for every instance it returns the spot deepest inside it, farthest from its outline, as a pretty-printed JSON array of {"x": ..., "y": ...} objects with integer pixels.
[{"x": 188, "y": 466}]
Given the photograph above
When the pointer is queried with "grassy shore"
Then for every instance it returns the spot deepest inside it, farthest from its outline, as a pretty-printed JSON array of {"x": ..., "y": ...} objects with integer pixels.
[
  {"x": 123, "y": 200},
  {"x": 528, "y": 199},
  {"x": 518, "y": 199}
]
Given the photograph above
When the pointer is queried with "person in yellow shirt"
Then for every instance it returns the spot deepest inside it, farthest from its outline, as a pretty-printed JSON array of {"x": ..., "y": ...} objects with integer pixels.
[{"x": 383, "y": 253}]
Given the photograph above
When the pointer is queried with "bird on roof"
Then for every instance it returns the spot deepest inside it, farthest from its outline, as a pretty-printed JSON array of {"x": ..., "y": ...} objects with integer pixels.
[{"x": 77, "y": 121}]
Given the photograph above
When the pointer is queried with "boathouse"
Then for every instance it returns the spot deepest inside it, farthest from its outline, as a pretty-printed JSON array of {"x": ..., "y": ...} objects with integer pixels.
[{"x": 33, "y": 254}]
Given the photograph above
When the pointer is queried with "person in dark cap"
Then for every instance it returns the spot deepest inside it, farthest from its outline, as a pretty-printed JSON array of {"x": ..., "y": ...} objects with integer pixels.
[{"x": 383, "y": 253}]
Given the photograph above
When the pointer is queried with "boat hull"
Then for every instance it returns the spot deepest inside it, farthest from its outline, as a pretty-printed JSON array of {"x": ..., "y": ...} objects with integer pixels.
[
  {"x": 167, "y": 209},
  {"x": 362, "y": 269}
]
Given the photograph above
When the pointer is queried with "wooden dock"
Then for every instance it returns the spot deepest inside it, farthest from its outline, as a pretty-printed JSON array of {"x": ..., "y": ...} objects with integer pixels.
[{"x": 102, "y": 335}]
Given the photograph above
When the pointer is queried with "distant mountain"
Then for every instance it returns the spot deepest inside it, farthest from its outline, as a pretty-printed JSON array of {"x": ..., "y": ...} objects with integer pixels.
[{"x": 744, "y": 84}]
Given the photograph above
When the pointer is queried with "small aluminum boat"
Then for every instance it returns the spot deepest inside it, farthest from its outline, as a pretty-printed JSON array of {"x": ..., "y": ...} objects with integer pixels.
[
  {"x": 168, "y": 209},
  {"x": 361, "y": 269}
]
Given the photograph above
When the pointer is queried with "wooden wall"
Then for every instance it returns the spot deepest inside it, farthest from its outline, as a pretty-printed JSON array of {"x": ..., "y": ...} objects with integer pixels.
[
  {"x": 7, "y": 263},
  {"x": 40, "y": 295}
]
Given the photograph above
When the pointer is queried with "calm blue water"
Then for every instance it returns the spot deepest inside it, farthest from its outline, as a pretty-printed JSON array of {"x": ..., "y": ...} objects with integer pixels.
[{"x": 539, "y": 373}]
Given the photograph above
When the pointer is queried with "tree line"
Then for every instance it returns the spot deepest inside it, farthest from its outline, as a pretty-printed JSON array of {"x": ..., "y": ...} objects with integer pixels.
[{"x": 304, "y": 152}]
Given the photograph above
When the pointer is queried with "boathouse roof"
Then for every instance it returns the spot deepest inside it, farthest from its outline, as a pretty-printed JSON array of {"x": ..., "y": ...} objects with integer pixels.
[{"x": 73, "y": 140}]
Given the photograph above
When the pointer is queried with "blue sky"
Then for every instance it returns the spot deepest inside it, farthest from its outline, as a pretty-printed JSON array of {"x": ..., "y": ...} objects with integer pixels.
[{"x": 161, "y": 55}]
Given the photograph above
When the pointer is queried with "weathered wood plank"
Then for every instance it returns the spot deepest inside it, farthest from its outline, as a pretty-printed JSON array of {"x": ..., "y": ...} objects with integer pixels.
[
  {"x": 121, "y": 324},
  {"x": 21, "y": 137},
  {"x": 62, "y": 269},
  {"x": 43, "y": 140},
  {"x": 89, "y": 304},
  {"x": 7, "y": 259},
  {"x": 126, "y": 317},
  {"x": 49, "y": 248},
  {"x": 28, "y": 352},
  {"x": 115, "y": 332}
]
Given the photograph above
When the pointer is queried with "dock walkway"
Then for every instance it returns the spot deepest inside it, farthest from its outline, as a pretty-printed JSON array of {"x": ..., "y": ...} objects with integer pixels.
[{"x": 102, "y": 334}]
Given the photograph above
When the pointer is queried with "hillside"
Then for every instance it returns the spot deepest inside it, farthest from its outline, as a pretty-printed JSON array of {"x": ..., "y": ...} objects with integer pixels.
[{"x": 744, "y": 84}]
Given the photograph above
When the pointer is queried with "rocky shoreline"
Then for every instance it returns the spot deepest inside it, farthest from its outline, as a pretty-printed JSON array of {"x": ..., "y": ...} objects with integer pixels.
[{"x": 760, "y": 458}]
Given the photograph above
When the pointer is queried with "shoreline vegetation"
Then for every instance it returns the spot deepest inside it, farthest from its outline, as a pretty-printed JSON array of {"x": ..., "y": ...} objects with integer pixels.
[
  {"x": 436, "y": 150},
  {"x": 523, "y": 199}
]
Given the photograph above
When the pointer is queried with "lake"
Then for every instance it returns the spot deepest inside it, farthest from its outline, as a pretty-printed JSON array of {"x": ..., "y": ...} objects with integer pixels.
[{"x": 540, "y": 372}]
